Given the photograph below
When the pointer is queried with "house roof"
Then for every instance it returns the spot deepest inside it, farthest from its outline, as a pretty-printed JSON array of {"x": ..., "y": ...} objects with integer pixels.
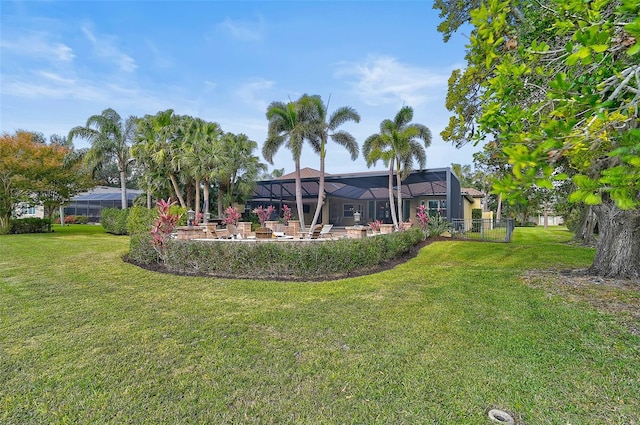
[
  {"x": 472, "y": 192},
  {"x": 105, "y": 193}
]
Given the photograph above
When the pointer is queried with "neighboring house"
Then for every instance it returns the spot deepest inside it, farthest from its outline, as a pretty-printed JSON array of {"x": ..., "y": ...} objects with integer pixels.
[
  {"x": 472, "y": 200},
  {"x": 368, "y": 194},
  {"x": 25, "y": 210},
  {"x": 91, "y": 203}
]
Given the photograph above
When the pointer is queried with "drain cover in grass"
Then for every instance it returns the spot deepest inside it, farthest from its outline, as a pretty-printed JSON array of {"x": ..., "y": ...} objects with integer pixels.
[{"x": 500, "y": 417}]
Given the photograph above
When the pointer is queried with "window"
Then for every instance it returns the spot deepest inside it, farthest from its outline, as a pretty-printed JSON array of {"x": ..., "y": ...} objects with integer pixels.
[
  {"x": 437, "y": 207},
  {"x": 349, "y": 209},
  {"x": 27, "y": 210}
]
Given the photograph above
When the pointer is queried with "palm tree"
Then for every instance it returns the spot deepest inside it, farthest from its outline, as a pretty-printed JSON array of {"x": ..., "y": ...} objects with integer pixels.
[
  {"x": 157, "y": 144},
  {"x": 397, "y": 145},
  {"x": 239, "y": 169},
  {"x": 320, "y": 129},
  {"x": 200, "y": 155},
  {"x": 287, "y": 125},
  {"x": 110, "y": 140}
]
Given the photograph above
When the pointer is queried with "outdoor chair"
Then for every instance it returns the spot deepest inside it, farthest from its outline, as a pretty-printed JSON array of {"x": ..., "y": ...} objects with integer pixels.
[
  {"x": 316, "y": 232},
  {"x": 326, "y": 231}
]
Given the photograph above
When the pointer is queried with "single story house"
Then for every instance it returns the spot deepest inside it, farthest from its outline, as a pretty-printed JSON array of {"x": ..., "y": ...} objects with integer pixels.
[{"x": 368, "y": 193}]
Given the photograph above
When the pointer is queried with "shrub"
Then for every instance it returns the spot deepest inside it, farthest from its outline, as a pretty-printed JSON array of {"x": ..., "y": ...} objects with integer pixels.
[
  {"x": 164, "y": 224},
  {"x": 29, "y": 225},
  {"x": 476, "y": 217},
  {"x": 140, "y": 220},
  {"x": 141, "y": 249},
  {"x": 300, "y": 260},
  {"x": 114, "y": 220},
  {"x": 81, "y": 219},
  {"x": 438, "y": 225}
]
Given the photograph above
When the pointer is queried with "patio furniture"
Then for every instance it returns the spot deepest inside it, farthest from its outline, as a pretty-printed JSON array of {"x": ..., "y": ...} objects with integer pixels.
[
  {"x": 326, "y": 231},
  {"x": 316, "y": 232}
]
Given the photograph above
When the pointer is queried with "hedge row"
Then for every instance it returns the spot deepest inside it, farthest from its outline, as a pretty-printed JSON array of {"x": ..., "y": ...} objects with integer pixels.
[
  {"x": 277, "y": 260},
  {"x": 29, "y": 225}
]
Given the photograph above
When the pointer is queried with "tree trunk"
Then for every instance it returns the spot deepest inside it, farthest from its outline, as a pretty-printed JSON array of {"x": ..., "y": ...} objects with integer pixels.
[
  {"x": 399, "y": 189},
  {"x": 584, "y": 232},
  {"x": 392, "y": 204},
  {"x": 149, "y": 206},
  {"x": 123, "y": 189},
  {"x": 618, "y": 247},
  {"x": 197, "y": 198},
  {"x": 176, "y": 189},
  {"x": 299, "y": 205},
  {"x": 499, "y": 209},
  {"x": 546, "y": 215},
  {"x": 321, "y": 195},
  {"x": 206, "y": 196},
  {"x": 220, "y": 202},
  {"x": 4, "y": 223}
]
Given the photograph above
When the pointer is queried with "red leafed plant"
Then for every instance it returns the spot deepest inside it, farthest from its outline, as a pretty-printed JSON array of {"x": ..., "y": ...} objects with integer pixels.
[
  {"x": 286, "y": 211},
  {"x": 263, "y": 213},
  {"x": 231, "y": 215},
  {"x": 164, "y": 225},
  {"x": 423, "y": 220},
  {"x": 375, "y": 225}
]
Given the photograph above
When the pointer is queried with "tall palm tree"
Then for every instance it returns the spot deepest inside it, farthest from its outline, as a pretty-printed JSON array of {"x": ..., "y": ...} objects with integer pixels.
[
  {"x": 110, "y": 140},
  {"x": 322, "y": 128},
  {"x": 287, "y": 126},
  {"x": 211, "y": 156},
  {"x": 199, "y": 155},
  {"x": 397, "y": 145},
  {"x": 239, "y": 169}
]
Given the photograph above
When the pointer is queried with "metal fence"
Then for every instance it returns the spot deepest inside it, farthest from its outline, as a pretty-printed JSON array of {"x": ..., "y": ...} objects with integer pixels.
[{"x": 482, "y": 229}]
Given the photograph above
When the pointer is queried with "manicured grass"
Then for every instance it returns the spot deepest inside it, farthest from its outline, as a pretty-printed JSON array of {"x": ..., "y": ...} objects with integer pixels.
[{"x": 87, "y": 338}]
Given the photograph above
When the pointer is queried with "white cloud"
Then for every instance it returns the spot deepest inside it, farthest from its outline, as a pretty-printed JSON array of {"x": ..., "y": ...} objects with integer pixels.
[
  {"x": 56, "y": 77},
  {"x": 244, "y": 30},
  {"x": 105, "y": 47},
  {"x": 383, "y": 80},
  {"x": 249, "y": 93},
  {"x": 38, "y": 45}
]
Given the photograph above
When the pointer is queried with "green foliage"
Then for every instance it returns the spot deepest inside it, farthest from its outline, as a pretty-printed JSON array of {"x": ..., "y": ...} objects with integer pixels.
[
  {"x": 554, "y": 86},
  {"x": 140, "y": 220},
  {"x": 29, "y": 225},
  {"x": 114, "y": 220},
  {"x": 438, "y": 225},
  {"x": 300, "y": 260},
  {"x": 141, "y": 249},
  {"x": 476, "y": 217}
]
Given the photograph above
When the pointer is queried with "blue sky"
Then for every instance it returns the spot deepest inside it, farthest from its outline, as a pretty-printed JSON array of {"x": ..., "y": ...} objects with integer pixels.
[{"x": 62, "y": 61}]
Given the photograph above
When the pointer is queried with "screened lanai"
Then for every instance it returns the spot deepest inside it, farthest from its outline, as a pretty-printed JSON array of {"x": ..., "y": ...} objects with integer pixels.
[
  {"x": 366, "y": 193},
  {"x": 90, "y": 204}
]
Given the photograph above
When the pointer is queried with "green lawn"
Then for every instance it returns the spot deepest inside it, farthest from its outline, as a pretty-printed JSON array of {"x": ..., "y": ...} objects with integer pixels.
[{"x": 86, "y": 338}]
